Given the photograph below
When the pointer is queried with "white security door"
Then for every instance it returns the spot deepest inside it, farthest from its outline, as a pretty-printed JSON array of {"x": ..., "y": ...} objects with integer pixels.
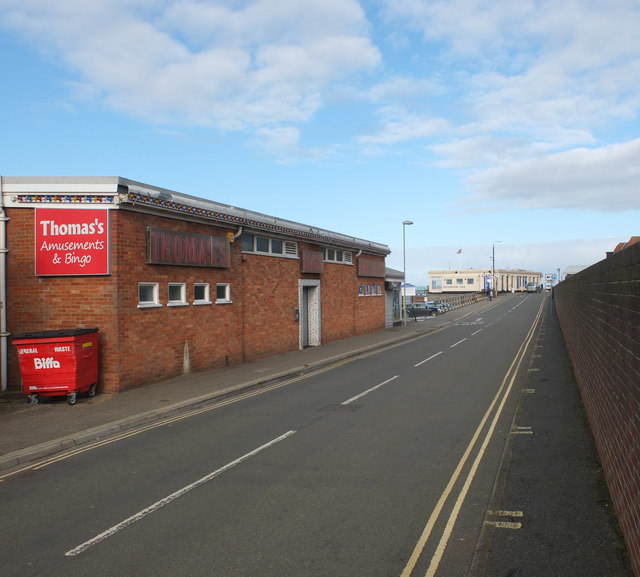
[{"x": 309, "y": 313}]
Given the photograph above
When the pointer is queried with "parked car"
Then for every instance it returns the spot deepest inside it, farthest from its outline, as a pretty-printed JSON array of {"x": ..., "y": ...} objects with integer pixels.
[
  {"x": 415, "y": 310},
  {"x": 441, "y": 306}
]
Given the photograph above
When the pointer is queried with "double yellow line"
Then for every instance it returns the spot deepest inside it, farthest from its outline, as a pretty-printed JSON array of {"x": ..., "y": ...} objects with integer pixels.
[{"x": 498, "y": 404}]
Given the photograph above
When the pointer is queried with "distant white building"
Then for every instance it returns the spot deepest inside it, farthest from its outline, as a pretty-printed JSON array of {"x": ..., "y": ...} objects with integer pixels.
[
  {"x": 479, "y": 280},
  {"x": 574, "y": 269}
]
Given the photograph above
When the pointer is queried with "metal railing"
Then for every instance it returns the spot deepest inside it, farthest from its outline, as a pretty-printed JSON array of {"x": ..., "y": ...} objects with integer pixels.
[{"x": 461, "y": 300}]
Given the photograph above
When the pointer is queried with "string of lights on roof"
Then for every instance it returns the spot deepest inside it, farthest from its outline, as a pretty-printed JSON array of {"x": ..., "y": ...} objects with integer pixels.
[
  {"x": 167, "y": 204},
  {"x": 65, "y": 199},
  {"x": 170, "y": 204}
]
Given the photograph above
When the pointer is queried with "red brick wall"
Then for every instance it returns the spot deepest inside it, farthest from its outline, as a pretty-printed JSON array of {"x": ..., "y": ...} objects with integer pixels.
[
  {"x": 140, "y": 346},
  {"x": 339, "y": 298},
  {"x": 369, "y": 314},
  {"x": 344, "y": 312},
  {"x": 269, "y": 289},
  {"x": 151, "y": 341},
  {"x": 41, "y": 303},
  {"x": 599, "y": 311}
]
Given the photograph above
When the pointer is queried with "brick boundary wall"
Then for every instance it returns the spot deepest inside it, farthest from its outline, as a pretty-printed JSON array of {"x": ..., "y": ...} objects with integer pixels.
[{"x": 599, "y": 312}]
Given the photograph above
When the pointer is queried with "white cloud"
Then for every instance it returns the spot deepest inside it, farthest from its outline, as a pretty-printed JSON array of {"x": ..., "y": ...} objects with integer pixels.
[
  {"x": 403, "y": 88},
  {"x": 538, "y": 86},
  {"x": 507, "y": 34},
  {"x": 258, "y": 22},
  {"x": 204, "y": 62},
  {"x": 485, "y": 150},
  {"x": 482, "y": 31},
  {"x": 525, "y": 99},
  {"x": 283, "y": 143},
  {"x": 603, "y": 179},
  {"x": 402, "y": 127}
]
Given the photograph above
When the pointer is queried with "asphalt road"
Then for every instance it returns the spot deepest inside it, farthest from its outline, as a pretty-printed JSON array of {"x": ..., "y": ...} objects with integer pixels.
[{"x": 378, "y": 466}]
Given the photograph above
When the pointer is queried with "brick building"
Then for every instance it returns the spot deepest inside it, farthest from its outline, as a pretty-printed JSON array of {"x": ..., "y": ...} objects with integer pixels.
[{"x": 176, "y": 283}]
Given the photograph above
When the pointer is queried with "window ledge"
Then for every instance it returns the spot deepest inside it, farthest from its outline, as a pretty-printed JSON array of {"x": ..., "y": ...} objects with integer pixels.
[{"x": 274, "y": 254}]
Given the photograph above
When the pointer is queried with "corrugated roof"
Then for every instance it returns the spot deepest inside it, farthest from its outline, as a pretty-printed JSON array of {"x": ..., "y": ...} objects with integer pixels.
[{"x": 62, "y": 190}]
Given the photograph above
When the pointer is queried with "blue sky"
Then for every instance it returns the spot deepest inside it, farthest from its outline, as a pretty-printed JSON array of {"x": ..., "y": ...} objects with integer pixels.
[{"x": 479, "y": 121}]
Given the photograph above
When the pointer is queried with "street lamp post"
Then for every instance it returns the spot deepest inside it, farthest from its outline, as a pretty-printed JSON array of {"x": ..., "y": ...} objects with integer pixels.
[
  {"x": 494, "y": 282},
  {"x": 405, "y": 223}
]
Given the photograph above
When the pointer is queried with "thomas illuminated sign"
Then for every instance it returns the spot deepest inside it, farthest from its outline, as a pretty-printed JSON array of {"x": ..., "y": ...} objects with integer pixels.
[{"x": 186, "y": 249}]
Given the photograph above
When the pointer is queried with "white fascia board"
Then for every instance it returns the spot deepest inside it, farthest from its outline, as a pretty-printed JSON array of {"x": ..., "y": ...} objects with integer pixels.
[
  {"x": 60, "y": 184},
  {"x": 14, "y": 186}
]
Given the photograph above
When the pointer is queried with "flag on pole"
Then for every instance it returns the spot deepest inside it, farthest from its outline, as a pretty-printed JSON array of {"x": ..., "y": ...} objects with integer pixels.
[{"x": 460, "y": 251}]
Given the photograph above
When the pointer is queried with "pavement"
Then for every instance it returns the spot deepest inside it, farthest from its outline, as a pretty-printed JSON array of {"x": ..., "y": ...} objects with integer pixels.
[
  {"x": 551, "y": 485},
  {"x": 553, "y": 475}
]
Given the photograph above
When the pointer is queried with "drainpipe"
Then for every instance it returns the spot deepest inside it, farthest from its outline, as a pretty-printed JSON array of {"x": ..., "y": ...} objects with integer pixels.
[
  {"x": 232, "y": 236},
  {"x": 4, "y": 335}
]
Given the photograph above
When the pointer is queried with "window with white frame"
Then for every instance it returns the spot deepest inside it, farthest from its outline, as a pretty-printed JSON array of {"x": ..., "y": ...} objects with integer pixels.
[
  {"x": 201, "y": 293},
  {"x": 262, "y": 244},
  {"x": 223, "y": 293},
  {"x": 277, "y": 246},
  {"x": 177, "y": 294},
  {"x": 270, "y": 246},
  {"x": 336, "y": 255},
  {"x": 148, "y": 295}
]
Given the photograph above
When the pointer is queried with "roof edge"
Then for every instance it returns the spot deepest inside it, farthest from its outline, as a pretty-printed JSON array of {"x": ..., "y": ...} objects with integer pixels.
[
  {"x": 122, "y": 191},
  {"x": 171, "y": 201}
]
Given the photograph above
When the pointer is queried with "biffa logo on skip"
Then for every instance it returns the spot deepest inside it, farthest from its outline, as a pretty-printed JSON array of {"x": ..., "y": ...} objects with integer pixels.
[{"x": 46, "y": 363}]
